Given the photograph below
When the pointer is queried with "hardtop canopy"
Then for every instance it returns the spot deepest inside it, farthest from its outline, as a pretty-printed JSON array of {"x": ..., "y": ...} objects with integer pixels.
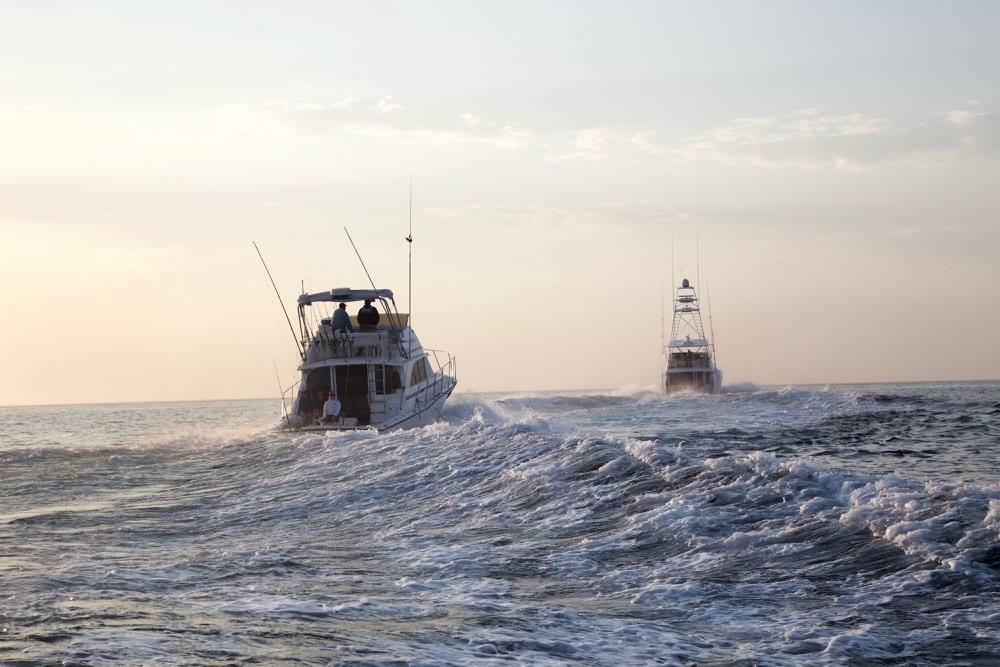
[
  {"x": 688, "y": 342},
  {"x": 345, "y": 294}
]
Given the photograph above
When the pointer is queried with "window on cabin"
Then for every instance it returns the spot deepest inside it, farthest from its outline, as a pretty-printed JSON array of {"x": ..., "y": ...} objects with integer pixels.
[
  {"x": 419, "y": 372},
  {"x": 386, "y": 379}
]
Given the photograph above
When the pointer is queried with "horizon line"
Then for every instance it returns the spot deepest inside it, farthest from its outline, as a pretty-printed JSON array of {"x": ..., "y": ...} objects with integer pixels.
[{"x": 500, "y": 391}]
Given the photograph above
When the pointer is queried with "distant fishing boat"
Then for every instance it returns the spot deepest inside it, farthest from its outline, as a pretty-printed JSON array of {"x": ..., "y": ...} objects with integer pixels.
[
  {"x": 690, "y": 354},
  {"x": 381, "y": 375}
]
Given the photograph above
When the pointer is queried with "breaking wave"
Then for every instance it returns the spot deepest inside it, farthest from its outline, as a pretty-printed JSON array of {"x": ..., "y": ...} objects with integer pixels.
[{"x": 598, "y": 527}]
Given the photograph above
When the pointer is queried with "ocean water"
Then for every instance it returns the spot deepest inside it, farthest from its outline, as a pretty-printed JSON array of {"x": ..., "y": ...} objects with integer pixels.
[{"x": 797, "y": 525}]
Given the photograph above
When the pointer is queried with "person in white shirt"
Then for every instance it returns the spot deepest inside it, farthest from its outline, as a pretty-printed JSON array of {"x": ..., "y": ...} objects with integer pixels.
[{"x": 331, "y": 409}]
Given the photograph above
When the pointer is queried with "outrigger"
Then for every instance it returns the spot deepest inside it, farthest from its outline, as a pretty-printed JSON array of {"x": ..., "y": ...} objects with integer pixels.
[{"x": 382, "y": 376}]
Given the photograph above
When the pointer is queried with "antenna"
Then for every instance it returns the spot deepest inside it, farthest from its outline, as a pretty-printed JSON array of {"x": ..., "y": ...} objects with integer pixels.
[
  {"x": 697, "y": 259},
  {"x": 672, "y": 285},
  {"x": 298, "y": 345},
  {"x": 409, "y": 262},
  {"x": 409, "y": 246}
]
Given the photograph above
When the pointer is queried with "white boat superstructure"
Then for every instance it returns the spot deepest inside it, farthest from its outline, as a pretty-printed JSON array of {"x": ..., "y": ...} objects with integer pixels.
[
  {"x": 381, "y": 374},
  {"x": 690, "y": 355}
]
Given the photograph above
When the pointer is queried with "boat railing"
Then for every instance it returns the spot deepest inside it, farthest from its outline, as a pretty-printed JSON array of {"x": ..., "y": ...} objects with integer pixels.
[
  {"x": 690, "y": 369},
  {"x": 689, "y": 362},
  {"x": 326, "y": 345},
  {"x": 442, "y": 380}
]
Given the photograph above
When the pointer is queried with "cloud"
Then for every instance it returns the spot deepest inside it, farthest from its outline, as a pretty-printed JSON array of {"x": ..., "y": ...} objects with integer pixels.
[
  {"x": 345, "y": 103},
  {"x": 806, "y": 138},
  {"x": 601, "y": 143},
  {"x": 809, "y": 138},
  {"x": 612, "y": 214},
  {"x": 508, "y": 137},
  {"x": 346, "y": 107},
  {"x": 384, "y": 119},
  {"x": 591, "y": 141},
  {"x": 387, "y": 105},
  {"x": 963, "y": 116},
  {"x": 643, "y": 142}
]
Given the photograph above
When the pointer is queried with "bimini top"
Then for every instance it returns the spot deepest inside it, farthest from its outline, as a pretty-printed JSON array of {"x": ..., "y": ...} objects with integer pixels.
[{"x": 345, "y": 294}]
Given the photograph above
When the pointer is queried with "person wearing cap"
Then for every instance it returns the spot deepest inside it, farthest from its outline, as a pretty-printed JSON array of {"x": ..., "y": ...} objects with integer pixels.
[
  {"x": 341, "y": 321},
  {"x": 368, "y": 316},
  {"x": 331, "y": 409}
]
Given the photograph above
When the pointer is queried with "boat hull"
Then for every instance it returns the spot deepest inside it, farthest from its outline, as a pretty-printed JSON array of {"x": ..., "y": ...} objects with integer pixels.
[
  {"x": 421, "y": 417},
  {"x": 427, "y": 415},
  {"x": 700, "y": 382}
]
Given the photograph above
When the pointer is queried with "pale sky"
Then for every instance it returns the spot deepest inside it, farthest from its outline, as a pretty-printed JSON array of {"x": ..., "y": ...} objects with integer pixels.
[{"x": 840, "y": 163}]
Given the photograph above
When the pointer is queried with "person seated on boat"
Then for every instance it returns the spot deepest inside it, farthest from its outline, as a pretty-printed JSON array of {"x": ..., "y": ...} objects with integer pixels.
[
  {"x": 340, "y": 320},
  {"x": 305, "y": 415},
  {"x": 368, "y": 316},
  {"x": 317, "y": 405},
  {"x": 331, "y": 409},
  {"x": 308, "y": 407}
]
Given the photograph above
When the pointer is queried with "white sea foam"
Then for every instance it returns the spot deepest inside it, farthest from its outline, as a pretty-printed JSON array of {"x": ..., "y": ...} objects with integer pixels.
[{"x": 596, "y": 527}]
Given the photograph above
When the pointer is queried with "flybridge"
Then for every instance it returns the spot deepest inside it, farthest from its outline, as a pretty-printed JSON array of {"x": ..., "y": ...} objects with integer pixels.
[
  {"x": 688, "y": 342},
  {"x": 394, "y": 328}
]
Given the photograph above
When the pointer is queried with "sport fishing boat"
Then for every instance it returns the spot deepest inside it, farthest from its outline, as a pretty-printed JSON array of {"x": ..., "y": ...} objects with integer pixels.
[
  {"x": 380, "y": 373},
  {"x": 690, "y": 355}
]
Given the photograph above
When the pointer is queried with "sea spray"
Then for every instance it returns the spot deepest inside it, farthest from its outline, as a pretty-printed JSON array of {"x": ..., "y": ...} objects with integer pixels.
[{"x": 776, "y": 525}]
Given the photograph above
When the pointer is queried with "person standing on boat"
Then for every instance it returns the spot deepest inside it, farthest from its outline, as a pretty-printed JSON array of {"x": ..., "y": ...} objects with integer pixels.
[
  {"x": 368, "y": 316},
  {"x": 341, "y": 321},
  {"x": 331, "y": 409}
]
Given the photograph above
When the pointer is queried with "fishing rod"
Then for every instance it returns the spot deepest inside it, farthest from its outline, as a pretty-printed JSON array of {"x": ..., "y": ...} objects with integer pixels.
[
  {"x": 711, "y": 328},
  {"x": 298, "y": 345},
  {"x": 393, "y": 317},
  {"x": 372, "y": 282},
  {"x": 284, "y": 410},
  {"x": 663, "y": 321}
]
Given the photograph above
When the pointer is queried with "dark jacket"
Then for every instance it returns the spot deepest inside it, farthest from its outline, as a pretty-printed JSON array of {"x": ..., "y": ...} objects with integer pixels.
[{"x": 368, "y": 316}]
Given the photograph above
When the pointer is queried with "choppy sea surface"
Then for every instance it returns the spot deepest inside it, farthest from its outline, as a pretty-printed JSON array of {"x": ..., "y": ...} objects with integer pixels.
[{"x": 797, "y": 525}]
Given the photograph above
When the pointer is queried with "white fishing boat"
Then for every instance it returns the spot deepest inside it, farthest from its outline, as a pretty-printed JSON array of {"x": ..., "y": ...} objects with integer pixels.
[
  {"x": 366, "y": 371},
  {"x": 690, "y": 354},
  {"x": 380, "y": 374}
]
